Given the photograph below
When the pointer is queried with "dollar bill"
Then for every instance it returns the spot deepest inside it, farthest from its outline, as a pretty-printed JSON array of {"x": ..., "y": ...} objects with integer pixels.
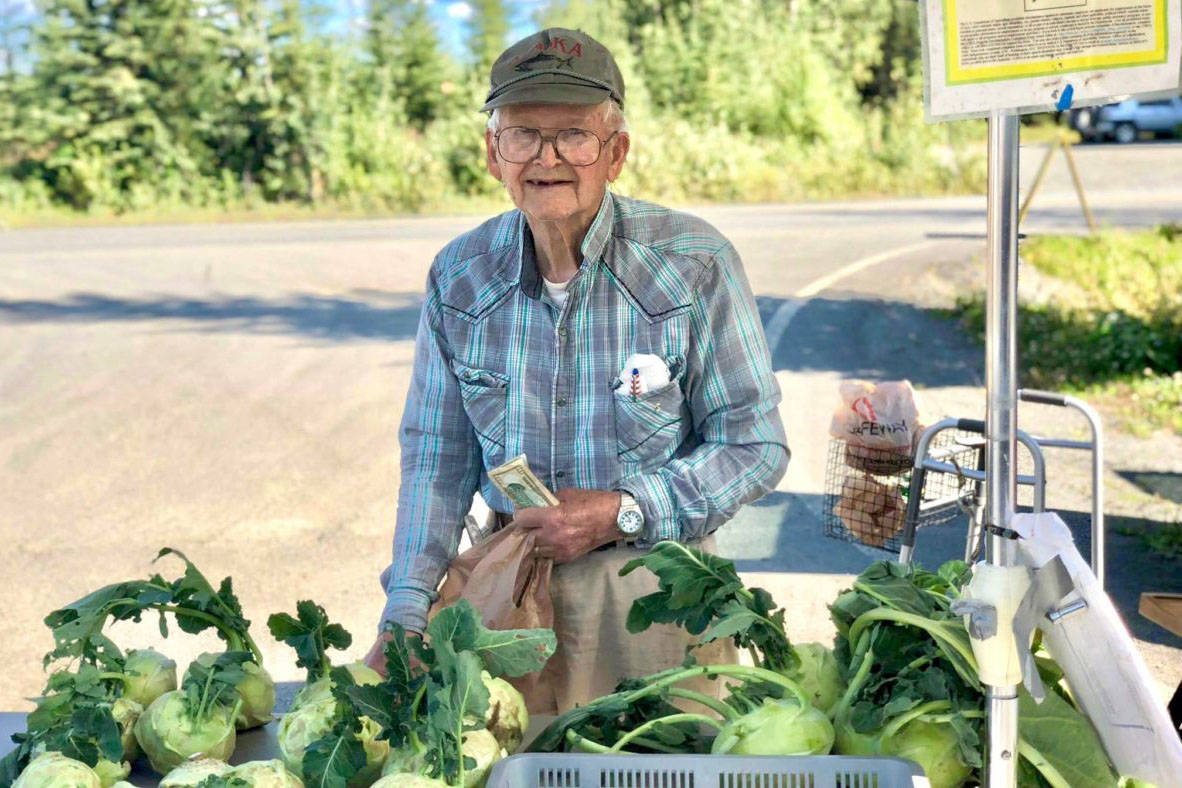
[{"x": 518, "y": 482}]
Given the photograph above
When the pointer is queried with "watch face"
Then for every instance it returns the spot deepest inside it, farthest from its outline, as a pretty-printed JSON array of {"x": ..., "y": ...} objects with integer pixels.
[{"x": 630, "y": 522}]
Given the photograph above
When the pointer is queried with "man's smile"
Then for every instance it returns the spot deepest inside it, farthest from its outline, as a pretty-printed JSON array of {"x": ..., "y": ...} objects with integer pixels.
[{"x": 547, "y": 182}]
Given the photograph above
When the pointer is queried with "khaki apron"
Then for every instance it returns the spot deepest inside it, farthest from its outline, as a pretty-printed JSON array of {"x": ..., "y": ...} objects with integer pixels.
[{"x": 595, "y": 650}]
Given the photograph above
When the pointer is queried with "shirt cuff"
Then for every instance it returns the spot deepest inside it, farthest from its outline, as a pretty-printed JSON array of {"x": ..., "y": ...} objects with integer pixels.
[
  {"x": 656, "y": 502},
  {"x": 407, "y": 607}
]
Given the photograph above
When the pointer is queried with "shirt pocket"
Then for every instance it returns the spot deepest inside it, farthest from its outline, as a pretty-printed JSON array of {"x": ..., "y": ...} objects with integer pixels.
[
  {"x": 485, "y": 394},
  {"x": 649, "y": 426}
]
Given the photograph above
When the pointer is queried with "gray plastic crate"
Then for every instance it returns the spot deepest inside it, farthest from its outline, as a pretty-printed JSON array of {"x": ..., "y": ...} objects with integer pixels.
[{"x": 577, "y": 770}]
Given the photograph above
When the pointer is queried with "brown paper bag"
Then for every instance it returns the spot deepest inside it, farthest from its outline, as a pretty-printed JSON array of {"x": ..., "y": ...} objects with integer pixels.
[
  {"x": 510, "y": 586},
  {"x": 874, "y": 513}
]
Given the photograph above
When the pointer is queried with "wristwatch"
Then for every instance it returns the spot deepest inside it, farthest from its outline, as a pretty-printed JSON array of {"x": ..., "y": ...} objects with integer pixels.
[{"x": 630, "y": 520}]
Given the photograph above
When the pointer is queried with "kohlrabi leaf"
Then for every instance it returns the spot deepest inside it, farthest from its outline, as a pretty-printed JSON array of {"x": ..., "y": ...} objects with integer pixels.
[
  {"x": 1065, "y": 740},
  {"x": 508, "y": 652},
  {"x": 333, "y": 760},
  {"x": 703, "y": 593},
  {"x": 514, "y": 652},
  {"x": 190, "y": 600},
  {"x": 311, "y": 635},
  {"x": 214, "y": 685}
]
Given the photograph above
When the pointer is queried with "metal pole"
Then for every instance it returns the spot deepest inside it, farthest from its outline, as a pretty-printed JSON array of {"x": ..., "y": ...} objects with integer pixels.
[{"x": 1001, "y": 413}]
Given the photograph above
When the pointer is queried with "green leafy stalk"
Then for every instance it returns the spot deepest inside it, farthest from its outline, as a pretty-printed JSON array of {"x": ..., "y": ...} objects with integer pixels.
[
  {"x": 703, "y": 594},
  {"x": 311, "y": 634},
  {"x": 604, "y": 714},
  {"x": 192, "y": 601},
  {"x": 951, "y": 638},
  {"x": 434, "y": 692},
  {"x": 672, "y": 719},
  {"x": 714, "y": 704},
  {"x": 73, "y": 717}
]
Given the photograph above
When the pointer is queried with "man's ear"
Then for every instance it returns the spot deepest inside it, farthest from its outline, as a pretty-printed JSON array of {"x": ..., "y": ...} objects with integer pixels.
[
  {"x": 620, "y": 146},
  {"x": 490, "y": 154}
]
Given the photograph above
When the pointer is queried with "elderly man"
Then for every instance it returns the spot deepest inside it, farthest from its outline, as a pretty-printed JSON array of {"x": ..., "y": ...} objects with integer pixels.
[{"x": 614, "y": 342}]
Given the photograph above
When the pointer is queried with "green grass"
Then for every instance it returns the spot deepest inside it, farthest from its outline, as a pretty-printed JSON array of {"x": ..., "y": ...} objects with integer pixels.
[
  {"x": 1165, "y": 539},
  {"x": 1114, "y": 333}
]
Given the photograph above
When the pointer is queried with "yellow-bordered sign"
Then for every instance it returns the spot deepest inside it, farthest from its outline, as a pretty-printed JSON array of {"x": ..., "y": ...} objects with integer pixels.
[{"x": 1029, "y": 31}]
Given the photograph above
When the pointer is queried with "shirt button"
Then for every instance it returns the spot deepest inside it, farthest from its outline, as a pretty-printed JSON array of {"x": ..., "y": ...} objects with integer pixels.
[
  {"x": 562, "y": 331},
  {"x": 561, "y": 402},
  {"x": 559, "y": 474}
]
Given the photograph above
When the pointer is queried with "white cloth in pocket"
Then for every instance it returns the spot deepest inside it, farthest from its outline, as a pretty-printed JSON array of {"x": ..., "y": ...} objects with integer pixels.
[{"x": 642, "y": 372}]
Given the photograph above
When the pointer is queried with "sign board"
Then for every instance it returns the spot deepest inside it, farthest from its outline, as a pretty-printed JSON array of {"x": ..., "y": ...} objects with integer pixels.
[{"x": 984, "y": 56}]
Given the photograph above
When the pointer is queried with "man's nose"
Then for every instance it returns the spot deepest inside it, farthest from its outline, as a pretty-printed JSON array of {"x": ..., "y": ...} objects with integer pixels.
[{"x": 548, "y": 155}]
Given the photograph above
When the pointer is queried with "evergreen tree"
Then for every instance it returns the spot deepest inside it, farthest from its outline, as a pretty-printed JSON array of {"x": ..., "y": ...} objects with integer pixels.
[
  {"x": 408, "y": 65},
  {"x": 488, "y": 33},
  {"x": 112, "y": 84},
  {"x": 297, "y": 118}
]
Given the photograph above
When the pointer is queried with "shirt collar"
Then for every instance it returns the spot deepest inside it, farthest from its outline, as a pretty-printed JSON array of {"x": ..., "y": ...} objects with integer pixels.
[{"x": 594, "y": 243}]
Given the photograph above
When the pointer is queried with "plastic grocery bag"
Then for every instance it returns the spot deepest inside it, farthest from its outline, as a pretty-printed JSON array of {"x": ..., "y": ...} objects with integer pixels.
[
  {"x": 510, "y": 586},
  {"x": 876, "y": 415},
  {"x": 1107, "y": 675}
]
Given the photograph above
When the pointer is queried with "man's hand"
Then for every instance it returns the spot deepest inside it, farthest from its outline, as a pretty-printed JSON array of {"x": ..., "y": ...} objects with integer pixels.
[
  {"x": 582, "y": 521},
  {"x": 376, "y": 658}
]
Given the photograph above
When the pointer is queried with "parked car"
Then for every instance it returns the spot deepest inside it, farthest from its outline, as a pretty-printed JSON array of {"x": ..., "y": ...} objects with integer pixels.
[{"x": 1124, "y": 122}]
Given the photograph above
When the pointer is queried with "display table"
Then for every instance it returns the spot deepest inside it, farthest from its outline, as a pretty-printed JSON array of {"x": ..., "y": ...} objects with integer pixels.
[
  {"x": 253, "y": 745},
  {"x": 258, "y": 744}
]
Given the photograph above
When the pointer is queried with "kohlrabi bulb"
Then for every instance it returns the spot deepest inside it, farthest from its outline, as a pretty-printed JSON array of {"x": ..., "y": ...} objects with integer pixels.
[
  {"x": 935, "y": 747},
  {"x": 169, "y": 734},
  {"x": 256, "y": 689},
  {"x": 266, "y": 774},
  {"x": 507, "y": 717},
  {"x": 483, "y": 747},
  {"x": 110, "y": 772},
  {"x": 321, "y": 689},
  {"x": 847, "y": 741},
  {"x": 126, "y": 711},
  {"x": 54, "y": 770},
  {"x": 404, "y": 760},
  {"x": 778, "y": 727},
  {"x": 147, "y": 675},
  {"x": 191, "y": 773},
  {"x": 300, "y": 727},
  {"x": 818, "y": 675},
  {"x": 409, "y": 781}
]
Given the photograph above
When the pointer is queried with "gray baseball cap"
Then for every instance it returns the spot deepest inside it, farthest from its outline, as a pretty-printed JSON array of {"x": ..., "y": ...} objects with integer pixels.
[{"x": 554, "y": 66}]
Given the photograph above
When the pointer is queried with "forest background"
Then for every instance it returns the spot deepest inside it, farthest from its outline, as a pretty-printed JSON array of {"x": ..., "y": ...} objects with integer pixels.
[{"x": 214, "y": 107}]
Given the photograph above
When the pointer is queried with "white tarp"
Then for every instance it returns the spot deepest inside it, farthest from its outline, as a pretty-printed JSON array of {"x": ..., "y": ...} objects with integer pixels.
[{"x": 1107, "y": 676}]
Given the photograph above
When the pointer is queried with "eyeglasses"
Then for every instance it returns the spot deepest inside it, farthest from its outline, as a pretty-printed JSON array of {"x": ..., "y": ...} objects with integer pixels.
[{"x": 577, "y": 147}]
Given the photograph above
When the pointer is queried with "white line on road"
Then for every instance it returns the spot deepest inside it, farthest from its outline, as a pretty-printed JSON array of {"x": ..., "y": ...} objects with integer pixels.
[
  {"x": 778, "y": 325},
  {"x": 817, "y": 285}
]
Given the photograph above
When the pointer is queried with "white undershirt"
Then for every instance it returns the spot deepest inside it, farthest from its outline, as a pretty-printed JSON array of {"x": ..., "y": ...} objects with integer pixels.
[{"x": 556, "y": 291}]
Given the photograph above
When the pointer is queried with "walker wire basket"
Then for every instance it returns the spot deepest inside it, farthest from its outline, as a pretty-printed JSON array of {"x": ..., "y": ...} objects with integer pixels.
[{"x": 867, "y": 490}]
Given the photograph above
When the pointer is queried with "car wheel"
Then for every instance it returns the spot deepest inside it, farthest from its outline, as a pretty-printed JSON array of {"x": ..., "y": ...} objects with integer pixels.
[{"x": 1125, "y": 133}]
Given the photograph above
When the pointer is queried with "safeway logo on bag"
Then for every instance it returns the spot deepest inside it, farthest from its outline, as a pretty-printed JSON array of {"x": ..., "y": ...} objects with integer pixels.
[
  {"x": 870, "y": 424},
  {"x": 863, "y": 408}
]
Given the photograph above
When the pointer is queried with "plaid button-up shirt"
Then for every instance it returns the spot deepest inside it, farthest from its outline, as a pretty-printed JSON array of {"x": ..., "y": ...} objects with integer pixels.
[{"x": 501, "y": 370}]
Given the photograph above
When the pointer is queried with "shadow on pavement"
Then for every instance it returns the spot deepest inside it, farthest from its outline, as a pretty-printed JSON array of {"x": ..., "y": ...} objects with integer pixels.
[
  {"x": 876, "y": 339},
  {"x": 1164, "y": 484},
  {"x": 783, "y": 532},
  {"x": 368, "y": 314}
]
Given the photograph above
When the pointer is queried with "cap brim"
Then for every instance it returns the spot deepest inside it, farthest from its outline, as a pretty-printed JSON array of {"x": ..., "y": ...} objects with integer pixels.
[{"x": 549, "y": 92}]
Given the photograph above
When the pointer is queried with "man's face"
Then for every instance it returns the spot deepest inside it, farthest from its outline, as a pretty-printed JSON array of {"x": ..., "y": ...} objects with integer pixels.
[{"x": 548, "y": 188}]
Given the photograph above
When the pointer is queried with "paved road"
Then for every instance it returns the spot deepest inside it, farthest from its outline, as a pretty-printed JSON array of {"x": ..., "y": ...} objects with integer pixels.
[{"x": 234, "y": 391}]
